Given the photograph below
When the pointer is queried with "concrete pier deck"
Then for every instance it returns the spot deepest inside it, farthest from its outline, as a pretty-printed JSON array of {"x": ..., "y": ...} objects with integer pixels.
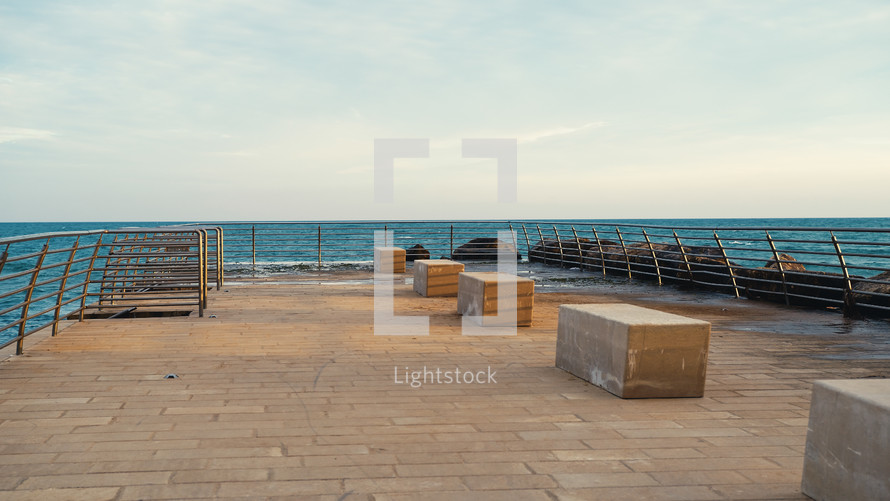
[{"x": 287, "y": 394}]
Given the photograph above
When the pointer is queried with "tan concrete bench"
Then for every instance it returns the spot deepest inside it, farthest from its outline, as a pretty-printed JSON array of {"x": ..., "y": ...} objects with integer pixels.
[
  {"x": 384, "y": 257},
  {"x": 848, "y": 440},
  {"x": 633, "y": 352},
  {"x": 477, "y": 295},
  {"x": 436, "y": 277}
]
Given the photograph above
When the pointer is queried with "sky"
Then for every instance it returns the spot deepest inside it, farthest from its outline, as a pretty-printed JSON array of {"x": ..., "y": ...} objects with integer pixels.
[{"x": 245, "y": 110}]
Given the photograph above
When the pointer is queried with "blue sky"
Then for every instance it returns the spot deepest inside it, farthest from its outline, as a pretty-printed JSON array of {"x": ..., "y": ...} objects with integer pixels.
[{"x": 161, "y": 110}]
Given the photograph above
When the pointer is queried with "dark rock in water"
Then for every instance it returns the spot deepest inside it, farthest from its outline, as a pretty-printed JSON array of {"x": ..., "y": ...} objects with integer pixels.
[
  {"x": 872, "y": 293},
  {"x": 788, "y": 263},
  {"x": 416, "y": 252},
  {"x": 552, "y": 251},
  {"x": 564, "y": 251},
  {"x": 483, "y": 249},
  {"x": 881, "y": 288}
]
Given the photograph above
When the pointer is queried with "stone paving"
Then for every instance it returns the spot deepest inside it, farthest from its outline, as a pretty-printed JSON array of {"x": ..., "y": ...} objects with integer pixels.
[{"x": 288, "y": 394}]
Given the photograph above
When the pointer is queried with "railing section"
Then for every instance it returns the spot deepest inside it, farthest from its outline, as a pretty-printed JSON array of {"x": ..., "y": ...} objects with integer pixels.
[
  {"x": 844, "y": 268},
  {"x": 48, "y": 278}
]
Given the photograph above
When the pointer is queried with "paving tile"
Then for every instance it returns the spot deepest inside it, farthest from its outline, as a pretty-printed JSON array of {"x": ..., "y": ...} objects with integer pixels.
[
  {"x": 173, "y": 491},
  {"x": 95, "y": 480},
  {"x": 582, "y": 480},
  {"x": 668, "y": 493},
  {"x": 65, "y": 494}
]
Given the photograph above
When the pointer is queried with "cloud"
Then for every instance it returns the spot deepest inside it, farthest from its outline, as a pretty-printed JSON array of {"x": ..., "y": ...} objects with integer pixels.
[
  {"x": 559, "y": 131},
  {"x": 15, "y": 134},
  {"x": 236, "y": 153},
  {"x": 869, "y": 141}
]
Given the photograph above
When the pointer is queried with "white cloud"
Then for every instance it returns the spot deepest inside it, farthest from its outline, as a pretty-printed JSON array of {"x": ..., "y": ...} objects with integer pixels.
[
  {"x": 16, "y": 134},
  {"x": 236, "y": 153},
  {"x": 559, "y": 131}
]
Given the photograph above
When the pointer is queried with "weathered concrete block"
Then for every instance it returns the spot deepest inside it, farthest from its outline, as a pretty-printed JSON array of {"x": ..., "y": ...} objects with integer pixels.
[
  {"x": 477, "y": 295},
  {"x": 436, "y": 277},
  {"x": 384, "y": 257},
  {"x": 633, "y": 352},
  {"x": 848, "y": 440}
]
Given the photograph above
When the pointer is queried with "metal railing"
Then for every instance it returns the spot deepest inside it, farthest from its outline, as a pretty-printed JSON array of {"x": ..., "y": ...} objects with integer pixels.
[
  {"x": 50, "y": 277},
  {"x": 47, "y": 278},
  {"x": 318, "y": 244},
  {"x": 844, "y": 268}
]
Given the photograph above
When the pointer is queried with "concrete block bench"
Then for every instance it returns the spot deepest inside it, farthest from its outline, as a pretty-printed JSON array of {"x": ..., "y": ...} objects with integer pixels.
[
  {"x": 477, "y": 295},
  {"x": 436, "y": 277},
  {"x": 386, "y": 257},
  {"x": 848, "y": 440},
  {"x": 633, "y": 352}
]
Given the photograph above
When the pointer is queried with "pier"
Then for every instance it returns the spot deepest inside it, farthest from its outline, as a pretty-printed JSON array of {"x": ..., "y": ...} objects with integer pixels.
[
  {"x": 283, "y": 391},
  {"x": 240, "y": 361}
]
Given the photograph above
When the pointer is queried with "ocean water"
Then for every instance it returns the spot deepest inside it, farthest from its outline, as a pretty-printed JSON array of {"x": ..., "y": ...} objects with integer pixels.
[{"x": 276, "y": 247}]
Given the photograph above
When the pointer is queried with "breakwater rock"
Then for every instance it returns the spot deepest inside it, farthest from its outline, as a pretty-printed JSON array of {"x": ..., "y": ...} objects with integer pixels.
[
  {"x": 483, "y": 249},
  {"x": 416, "y": 252}
]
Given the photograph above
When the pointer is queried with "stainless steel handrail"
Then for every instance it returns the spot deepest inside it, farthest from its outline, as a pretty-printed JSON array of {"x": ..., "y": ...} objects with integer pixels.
[
  {"x": 44, "y": 276},
  {"x": 811, "y": 267},
  {"x": 745, "y": 261}
]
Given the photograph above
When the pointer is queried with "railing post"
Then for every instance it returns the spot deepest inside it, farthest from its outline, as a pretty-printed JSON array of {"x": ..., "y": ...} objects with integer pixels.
[
  {"x": 86, "y": 283},
  {"x": 253, "y": 244},
  {"x": 772, "y": 246},
  {"x": 206, "y": 268},
  {"x": 528, "y": 247},
  {"x": 319, "y": 247},
  {"x": 20, "y": 343},
  {"x": 451, "y": 243},
  {"x": 202, "y": 290},
  {"x": 685, "y": 258},
  {"x": 62, "y": 285},
  {"x": 562, "y": 262},
  {"x": 543, "y": 245},
  {"x": 3, "y": 257},
  {"x": 205, "y": 254},
  {"x": 849, "y": 299},
  {"x": 624, "y": 250},
  {"x": 599, "y": 247},
  {"x": 220, "y": 274},
  {"x": 108, "y": 270},
  {"x": 513, "y": 235},
  {"x": 654, "y": 256},
  {"x": 580, "y": 253},
  {"x": 735, "y": 287}
]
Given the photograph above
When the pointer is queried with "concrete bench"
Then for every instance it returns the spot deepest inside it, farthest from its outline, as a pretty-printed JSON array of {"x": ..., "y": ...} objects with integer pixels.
[
  {"x": 477, "y": 295},
  {"x": 633, "y": 352},
  {"x": 848, "y": 440},
  {"x": 436, "y": 277},
  {"x": 389, "y": 260}
]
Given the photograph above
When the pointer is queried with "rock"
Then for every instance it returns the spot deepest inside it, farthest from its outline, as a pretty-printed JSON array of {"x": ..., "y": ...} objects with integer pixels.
[
  {"x": 483, "y": 249},
  {"x": 871, "y": 293},
  {"x": 552, "y": 251},
  {"x": 882, "y": 288},
  {"x": 793, "y": 265},
  {"x": 416, "y": 252}
]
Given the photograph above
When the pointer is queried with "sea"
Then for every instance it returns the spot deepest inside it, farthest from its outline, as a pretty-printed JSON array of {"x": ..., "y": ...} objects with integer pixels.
[{"x": 348, "y": 244}]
